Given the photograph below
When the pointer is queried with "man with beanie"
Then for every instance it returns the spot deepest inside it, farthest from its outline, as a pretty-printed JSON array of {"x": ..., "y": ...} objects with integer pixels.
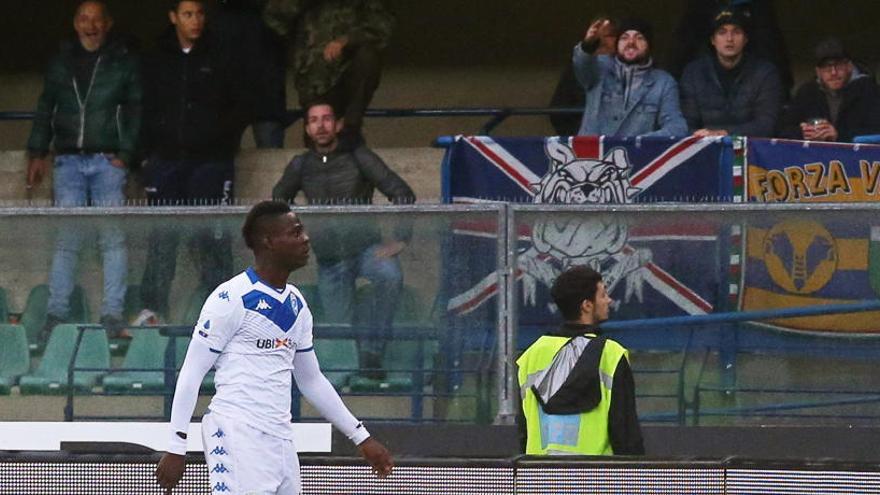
[
  {"x": 840, "y": 104},
  {"x": 731, "y": 91},
  {"x": 626, "y": 95}
]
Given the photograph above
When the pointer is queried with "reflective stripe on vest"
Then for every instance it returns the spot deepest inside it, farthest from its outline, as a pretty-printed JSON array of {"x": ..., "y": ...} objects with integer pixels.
[{"x": 577, "y": 434}]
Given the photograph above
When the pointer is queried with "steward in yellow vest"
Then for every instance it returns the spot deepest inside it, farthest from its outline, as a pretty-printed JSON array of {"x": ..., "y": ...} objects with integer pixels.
[{"x": 576, "y": 386}]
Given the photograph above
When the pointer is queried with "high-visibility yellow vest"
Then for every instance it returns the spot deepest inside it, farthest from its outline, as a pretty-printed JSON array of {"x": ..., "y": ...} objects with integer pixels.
[{"x": 573, "y": 434}]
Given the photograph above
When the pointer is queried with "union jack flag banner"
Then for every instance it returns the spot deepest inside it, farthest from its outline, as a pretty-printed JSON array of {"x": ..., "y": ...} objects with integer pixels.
[{"x": 652, "y": 265}]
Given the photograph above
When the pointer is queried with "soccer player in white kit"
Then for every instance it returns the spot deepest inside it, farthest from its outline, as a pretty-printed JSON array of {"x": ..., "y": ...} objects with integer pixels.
[{"x": 256, "y": 330}]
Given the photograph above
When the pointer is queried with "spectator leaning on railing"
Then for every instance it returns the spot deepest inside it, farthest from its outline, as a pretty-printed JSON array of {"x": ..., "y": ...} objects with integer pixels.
[
  {"x": 841, "y": 103},
  {"x": 731, "y": 91},
  {"x": 626, "y": 95},
  {"x": 90, "y": 112}
]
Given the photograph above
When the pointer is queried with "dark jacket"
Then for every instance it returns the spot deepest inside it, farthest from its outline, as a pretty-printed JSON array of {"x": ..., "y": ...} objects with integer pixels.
[
  {"x": 623, "y": 422},
  {"x": 691, "y": 37},
  {"x": 750, "y": 109},
  {"x": 105, "y": 116},
  {"x": 194, "y": 104},
  {"x": 343, "y": 177},
  {"x": 859, "y": 112}
]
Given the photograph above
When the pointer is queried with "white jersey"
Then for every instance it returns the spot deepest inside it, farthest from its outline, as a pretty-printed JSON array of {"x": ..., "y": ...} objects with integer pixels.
[{"x": 257, "y": 331}]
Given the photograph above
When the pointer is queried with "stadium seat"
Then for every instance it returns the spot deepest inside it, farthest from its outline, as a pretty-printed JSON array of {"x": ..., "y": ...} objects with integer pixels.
[
  {"x": 400, "y": 359},
  {"x": 34, "y": 315},
  {"x": 50, "y": 377},
  {"x": 147, "y": 350},
  {"x": 337, "y": 354},
  {"x": 4, "y": 306},
  {"x": 313, "y": 299},
  {"x": 194, "y": 306},
  {"x": 15, "y": 360}
]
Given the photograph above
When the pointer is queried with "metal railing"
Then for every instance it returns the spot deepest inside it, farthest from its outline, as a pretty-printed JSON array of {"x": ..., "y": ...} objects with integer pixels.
[{"x": 497, "y": 115}]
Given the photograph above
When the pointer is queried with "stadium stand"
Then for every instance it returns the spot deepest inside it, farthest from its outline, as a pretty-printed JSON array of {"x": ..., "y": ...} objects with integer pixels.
[
  {"x": 147, "y": 350},
  {"x": 14, "y": 356},
  {"x": 51, "y": 376},
  {"x": 34, "y": 315}
]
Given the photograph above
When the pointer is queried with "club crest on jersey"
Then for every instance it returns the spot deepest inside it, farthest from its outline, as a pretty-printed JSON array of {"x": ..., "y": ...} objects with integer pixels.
[{"x": 295, "y": 305}]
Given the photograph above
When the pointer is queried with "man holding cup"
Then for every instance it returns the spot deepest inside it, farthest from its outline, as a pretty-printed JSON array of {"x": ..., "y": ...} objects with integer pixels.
[{"x": 841, "y": 103}]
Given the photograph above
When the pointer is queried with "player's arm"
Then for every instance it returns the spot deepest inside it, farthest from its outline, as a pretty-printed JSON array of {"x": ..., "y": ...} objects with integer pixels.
[
  {"x": 217, "y": 323},
  {"x": 199, "y": 360},
  {"x": 320, "y": 393}
]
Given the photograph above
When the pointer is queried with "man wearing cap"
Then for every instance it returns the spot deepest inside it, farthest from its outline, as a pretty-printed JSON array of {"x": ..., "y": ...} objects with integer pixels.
[
  {"x": 840, "y": 104},
  {"x": 626, "y": 95},
  {"x": 731, "y": 92}
]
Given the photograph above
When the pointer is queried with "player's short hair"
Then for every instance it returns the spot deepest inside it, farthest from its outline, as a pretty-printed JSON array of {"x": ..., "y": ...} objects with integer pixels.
[
  {"x": 259, "y": 216},
  {"x": 572, "y": 287},
  {"x": 173, "y": 4}
]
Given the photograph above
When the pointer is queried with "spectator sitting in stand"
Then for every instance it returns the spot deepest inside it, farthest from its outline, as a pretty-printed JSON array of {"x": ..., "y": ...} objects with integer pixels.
[
  {"x": 569, "y": 93},
  {"x": 731, "y": 91},
  {"x": 840, "y": 104},
  {"x": 626, "y": 95},
  {"x": 329, "y": 173}
]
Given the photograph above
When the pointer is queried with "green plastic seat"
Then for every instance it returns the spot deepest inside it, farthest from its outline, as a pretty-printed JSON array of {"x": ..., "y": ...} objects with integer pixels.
[
  {"x": 337, "y": 354},
  {"x": 313, "y": 299},
  {"x": 194, "y": 305},
  {"x": 35, "y": 309},
  {"x": 15, "y": 359},
  {"x": 50, "y": 377},
  {"x": 4, "y": 306},
  {"x": 147, "y": 350},
  {"x": 401, "y": 356}
]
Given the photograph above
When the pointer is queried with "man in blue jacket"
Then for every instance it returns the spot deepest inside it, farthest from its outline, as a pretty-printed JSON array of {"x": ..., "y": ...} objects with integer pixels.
[
  {"x": 626, "y": 95},
  {"x": 731, "y": 91}
]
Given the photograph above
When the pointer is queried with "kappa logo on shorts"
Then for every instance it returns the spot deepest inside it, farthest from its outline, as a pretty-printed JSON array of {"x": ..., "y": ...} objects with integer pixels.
[
  {"x": 218, "y": 434},
  {"x": 221, "y": 487},
  {"x": 219, "y": 450},
  {"x": 220, "y": 468}
]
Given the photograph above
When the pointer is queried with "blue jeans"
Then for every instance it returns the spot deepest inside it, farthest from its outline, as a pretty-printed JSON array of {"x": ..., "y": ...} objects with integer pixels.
[
  {"x": 336, "y": 286},
  {"x": 83, "y": 180}
]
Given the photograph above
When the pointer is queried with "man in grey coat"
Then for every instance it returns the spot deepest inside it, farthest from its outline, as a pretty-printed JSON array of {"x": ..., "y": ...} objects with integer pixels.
[
  {"x": 626, "y": 95},
  {"x": 348, "y": 247}
]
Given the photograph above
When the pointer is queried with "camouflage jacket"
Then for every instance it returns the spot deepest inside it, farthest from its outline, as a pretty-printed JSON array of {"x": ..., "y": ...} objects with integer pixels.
[{"x": 313, "y": 24}]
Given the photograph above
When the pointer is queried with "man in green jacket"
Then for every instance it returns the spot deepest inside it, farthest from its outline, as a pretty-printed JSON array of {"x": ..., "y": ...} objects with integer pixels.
[
  {"x": 576, "y": 385},
  {"x": 89, "y": 112},
  {"x": 337, "y": 52}
]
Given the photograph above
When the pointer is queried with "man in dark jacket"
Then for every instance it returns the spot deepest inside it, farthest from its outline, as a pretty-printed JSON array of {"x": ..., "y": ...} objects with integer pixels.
[
  {"x": 349, "y": 248},
  {"x": 731, "y": 91},
  {"x": 840, "y": 104},
  {"x": 90, "y": 110},
  {"x": 194, "y": 116}
]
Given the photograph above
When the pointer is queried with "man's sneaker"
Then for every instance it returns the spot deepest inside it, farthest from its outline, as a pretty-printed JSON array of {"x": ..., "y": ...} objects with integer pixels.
[
  {"x": 115, "y": 327},
  {"x": 51, "y": 322},
  {"x": 147, "y": 317}
]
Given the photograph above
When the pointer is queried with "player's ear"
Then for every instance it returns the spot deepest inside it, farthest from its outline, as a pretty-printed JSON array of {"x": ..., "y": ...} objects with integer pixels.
[{"x": 586, "y": 307}]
